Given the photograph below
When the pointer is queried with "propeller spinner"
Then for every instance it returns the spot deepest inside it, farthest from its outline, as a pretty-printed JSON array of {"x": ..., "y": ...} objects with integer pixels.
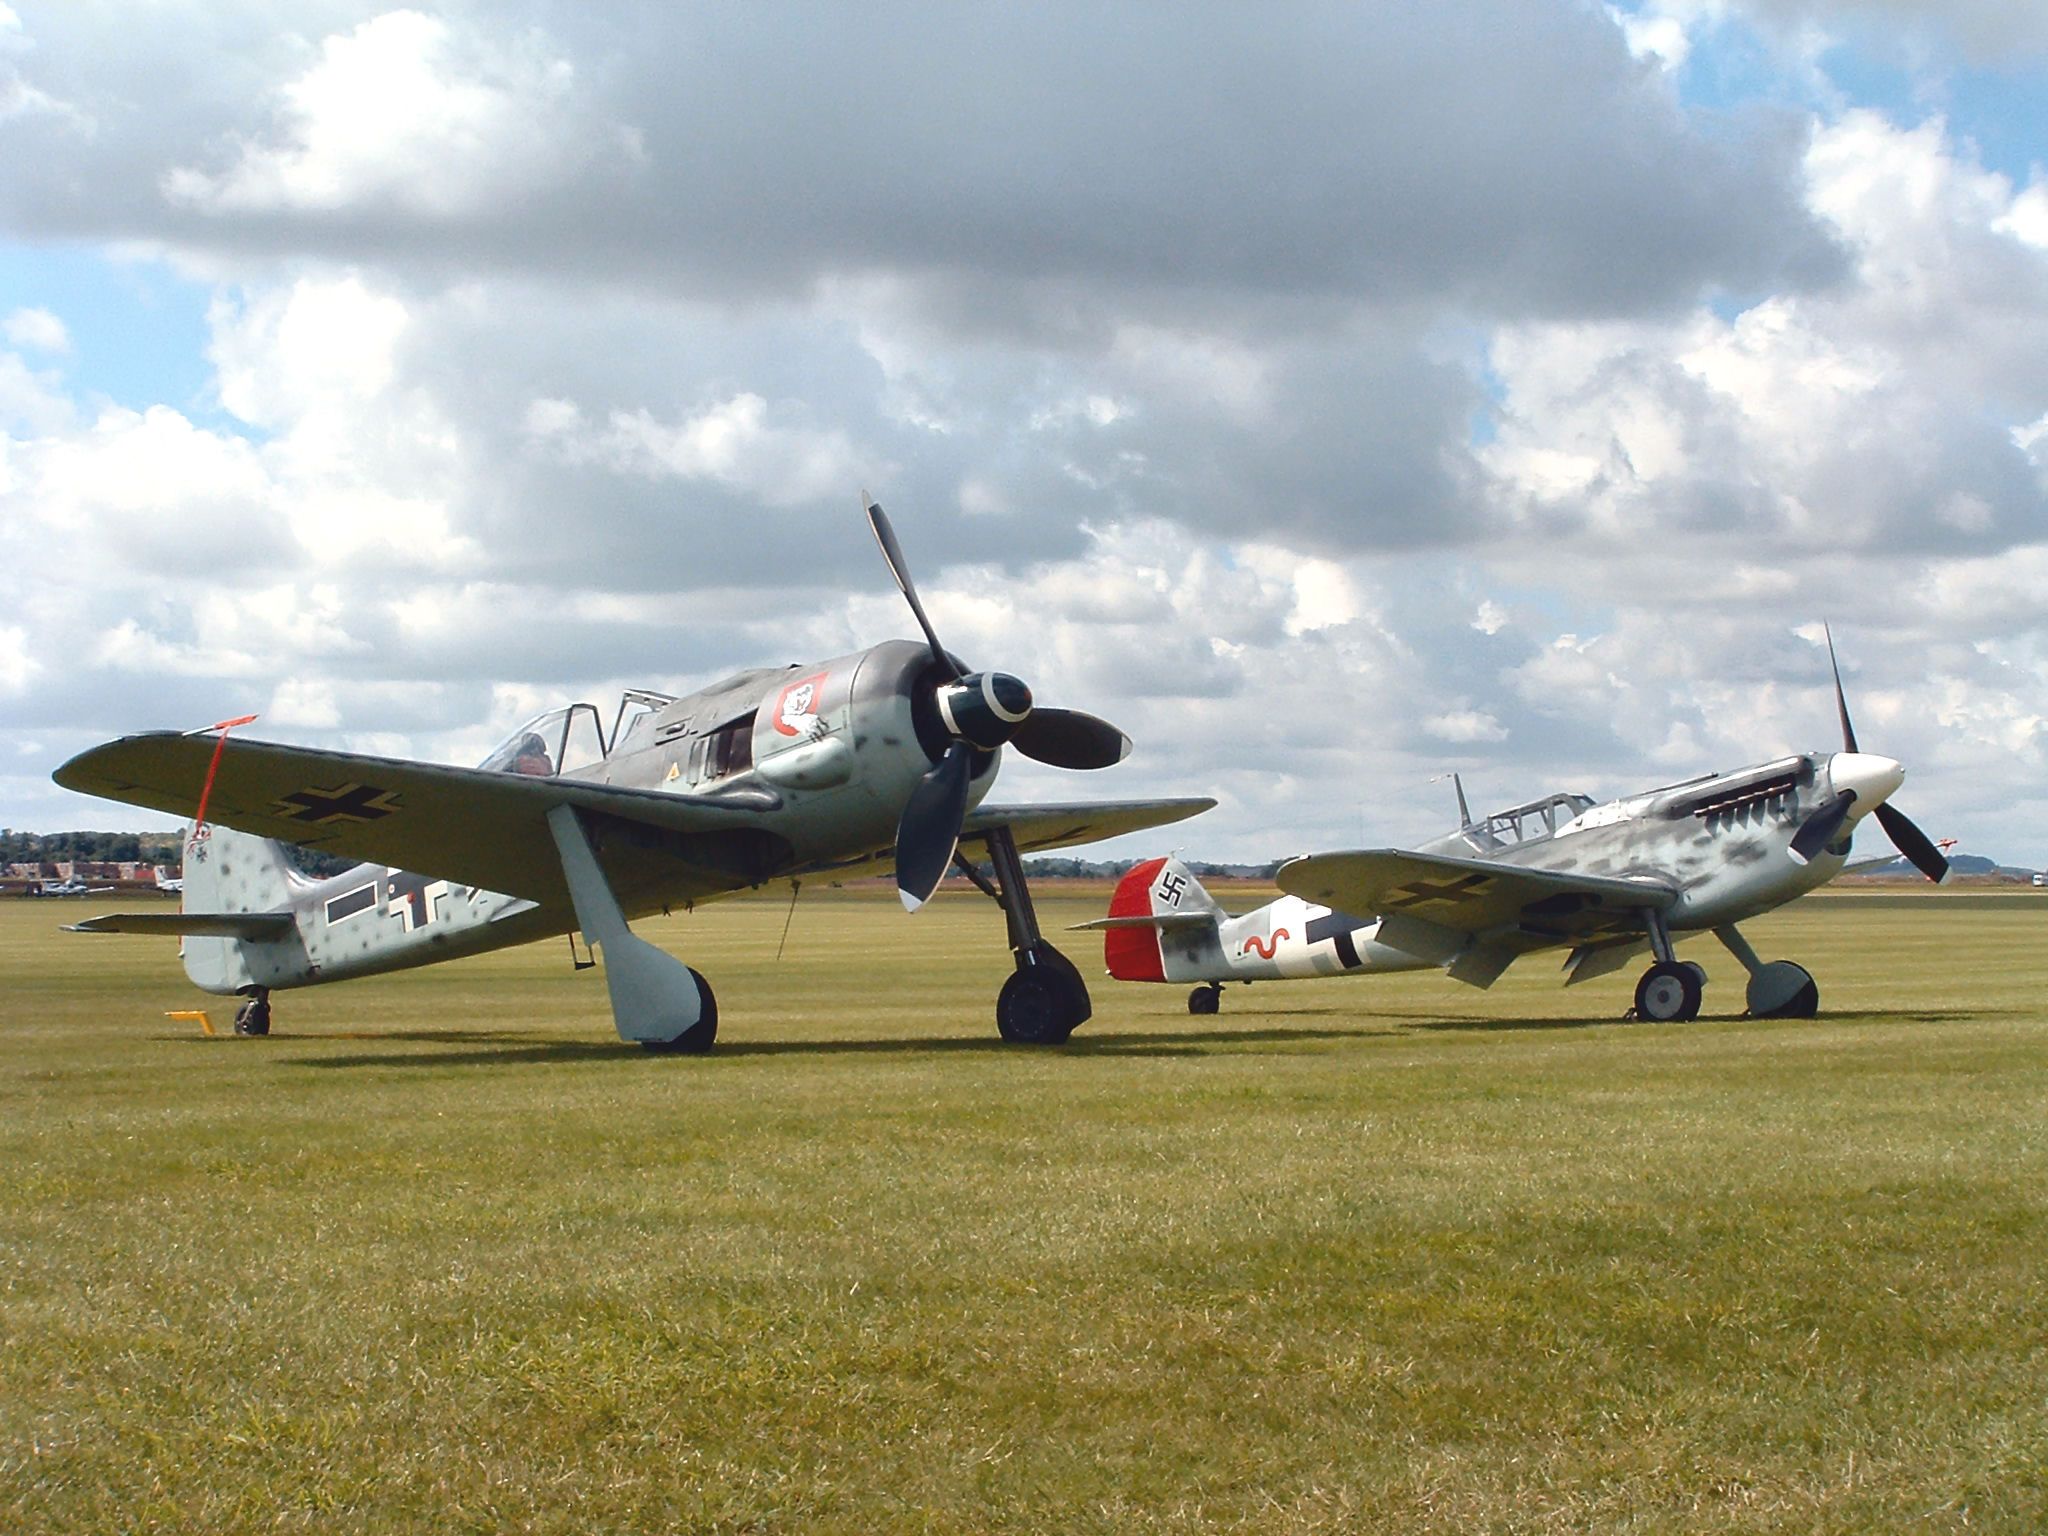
[
  {"x": 1864, "y": 776},
  {"x": 981, "y": 711}
]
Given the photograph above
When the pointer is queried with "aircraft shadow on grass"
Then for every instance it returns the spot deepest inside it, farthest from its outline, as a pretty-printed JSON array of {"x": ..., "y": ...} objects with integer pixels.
[
  {"x": 495, "y": 1047},
  {"x": 1866, "y": 1016},
  {"x": 503, "y": 1048}
]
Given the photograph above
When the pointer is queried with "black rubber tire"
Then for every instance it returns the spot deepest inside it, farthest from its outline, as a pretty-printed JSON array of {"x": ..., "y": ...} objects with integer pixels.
[
  {"x": 1044, "y": 1002},
  {"x": 698, "y": 1038},
  {"x": 1205, "y": 1000},
  {"x": 253, "y": 1018},
  {"x": 1669, "y": 993}
]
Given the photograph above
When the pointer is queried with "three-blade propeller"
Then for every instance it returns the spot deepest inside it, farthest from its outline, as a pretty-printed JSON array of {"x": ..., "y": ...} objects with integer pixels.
[
  {"x": 981, "y": 711},
  {"x": 1819, "y": 828}
]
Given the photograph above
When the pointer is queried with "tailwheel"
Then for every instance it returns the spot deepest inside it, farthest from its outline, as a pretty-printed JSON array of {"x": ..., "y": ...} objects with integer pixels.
[
  {"x": 1782, "y": 990},
  {"x": 1044, "y": 999},
  {"x": 253, "y": 1017},
  {"x": 1669, "y": 992},
  {"x": 1204, "y": 1000},
  {"x": 695, "y": 1040}
]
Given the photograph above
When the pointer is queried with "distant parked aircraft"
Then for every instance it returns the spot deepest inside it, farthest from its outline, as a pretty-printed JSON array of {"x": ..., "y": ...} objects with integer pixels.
[
  {"x": 72, "y": 887},
  {"x": 170, "y": 885}
]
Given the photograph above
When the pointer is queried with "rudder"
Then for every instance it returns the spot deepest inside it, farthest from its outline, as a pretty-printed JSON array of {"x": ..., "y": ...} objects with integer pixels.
[
  {"x": 229, "y": 872},
  {"x": 1157, "y": 888}
]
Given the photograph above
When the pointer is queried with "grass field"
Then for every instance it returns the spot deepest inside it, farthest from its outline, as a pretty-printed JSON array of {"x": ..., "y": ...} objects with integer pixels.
[{"x": 443, "y": 1255}]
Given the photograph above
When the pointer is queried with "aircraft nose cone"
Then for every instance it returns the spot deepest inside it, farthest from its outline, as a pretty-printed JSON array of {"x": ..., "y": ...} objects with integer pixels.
[
  {"x": 1007, "y": 696},
  {"x": 1875, "y": 779}
]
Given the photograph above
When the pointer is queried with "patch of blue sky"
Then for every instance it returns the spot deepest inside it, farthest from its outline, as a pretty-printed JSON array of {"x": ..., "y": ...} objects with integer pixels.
[
  {"x": 2003, "y": 112},
  {"x": 1729, "y": 68},
  {"x": 1907, "y": 77},
  {"x": 137, "y": 328}
]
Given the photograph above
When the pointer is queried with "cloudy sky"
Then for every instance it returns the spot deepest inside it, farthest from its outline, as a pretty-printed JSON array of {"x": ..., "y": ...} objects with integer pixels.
[{"x": 1331, "y": 395}]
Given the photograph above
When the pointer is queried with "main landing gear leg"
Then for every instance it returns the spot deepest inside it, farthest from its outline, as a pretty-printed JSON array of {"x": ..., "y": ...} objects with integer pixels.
[
  {"x": 1670, "y": 989},
  {"x": 253, "y": 1017},
  {"x": 656, "y": 999},
  {"x": 1779, "y": 990},
  {"x": 1045, "y": 998}
]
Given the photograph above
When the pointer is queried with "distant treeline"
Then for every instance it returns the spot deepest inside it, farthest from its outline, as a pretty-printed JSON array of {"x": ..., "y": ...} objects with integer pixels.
[
  {"x": 97, "y": 847},
  {"x": 1088, "y": 869},
  {"x": 165, "y": 848}
]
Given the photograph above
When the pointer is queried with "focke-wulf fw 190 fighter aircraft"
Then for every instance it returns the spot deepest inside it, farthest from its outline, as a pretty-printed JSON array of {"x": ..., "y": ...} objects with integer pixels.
[
  {"x": 828, "y": 770},
  {"x": 1607, "y": 881}
]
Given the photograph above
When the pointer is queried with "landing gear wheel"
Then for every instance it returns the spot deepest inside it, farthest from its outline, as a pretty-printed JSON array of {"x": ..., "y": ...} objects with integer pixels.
[
  {"x": 1205, "y": 999},
  {"x": 1782, "y": 990},
  {"x": 253, "y": 1017},
  {"x": 1043, "y": 1002},
  {"x": 695, "y": 1040},
  {"x": 1668, "y": 993}
]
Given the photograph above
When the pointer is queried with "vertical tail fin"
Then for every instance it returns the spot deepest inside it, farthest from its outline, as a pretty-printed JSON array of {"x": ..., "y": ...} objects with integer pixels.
[
  {"x": 1157, "y": 888},
  {"x": 225, "y": 872}
]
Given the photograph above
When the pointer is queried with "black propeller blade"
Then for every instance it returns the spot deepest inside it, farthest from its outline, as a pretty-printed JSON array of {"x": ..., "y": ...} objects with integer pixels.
[
  {"x": 980, "y": 711},
  {"x": 1067, "y": 738},
  {"x": 1841, "y": 699},
  {"x": 929, "y": 829},
  {"x": 1913, "y": 843},
  {"x": 892, "y": 553},
  {"x": 1918, "y": 848}
]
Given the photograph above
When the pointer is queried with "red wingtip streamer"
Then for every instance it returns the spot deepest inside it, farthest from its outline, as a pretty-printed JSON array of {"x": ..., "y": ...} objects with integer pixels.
[{"x": 213, "y": 767}]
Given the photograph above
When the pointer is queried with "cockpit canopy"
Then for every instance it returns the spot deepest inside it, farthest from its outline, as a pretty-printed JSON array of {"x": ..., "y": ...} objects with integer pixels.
[
  {"x": 1526, "y": 823},
  {"x": 558, "y": 741}
]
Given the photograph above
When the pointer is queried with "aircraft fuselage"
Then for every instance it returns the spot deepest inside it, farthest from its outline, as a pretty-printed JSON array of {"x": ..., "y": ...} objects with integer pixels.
[{"x": 812, "y": 761}]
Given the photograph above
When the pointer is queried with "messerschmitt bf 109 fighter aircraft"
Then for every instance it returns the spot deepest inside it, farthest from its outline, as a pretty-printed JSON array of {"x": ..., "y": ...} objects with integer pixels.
[
  {"x": 822, "y": 771},
  {"x": 1608, "y": 882}
]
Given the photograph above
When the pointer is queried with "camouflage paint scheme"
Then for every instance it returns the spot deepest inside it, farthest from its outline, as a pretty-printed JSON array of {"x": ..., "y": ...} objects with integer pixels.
[
  {"x": 1560, "y": 872},
  {"x": 772, "y": 775}
]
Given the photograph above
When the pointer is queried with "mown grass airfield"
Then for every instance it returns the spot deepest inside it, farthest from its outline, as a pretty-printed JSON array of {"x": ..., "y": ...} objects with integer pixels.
[{"x": 1386, "y": 1253}]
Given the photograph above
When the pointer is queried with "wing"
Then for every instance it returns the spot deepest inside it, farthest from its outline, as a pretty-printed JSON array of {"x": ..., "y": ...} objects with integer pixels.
[
  {"x": 459, "y": 824},
  {"x": 1039, "y": 827},
  {"x": 1467, "y": 895}
]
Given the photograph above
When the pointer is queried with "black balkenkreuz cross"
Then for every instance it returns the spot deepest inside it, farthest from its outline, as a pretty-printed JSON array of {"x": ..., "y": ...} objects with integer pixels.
[
  {"x": 343, "y": 802},
  {"x": 1421, "y": 893},
  {"x": 410, "y": 897},
  {"x": 1335, "y": 925}
]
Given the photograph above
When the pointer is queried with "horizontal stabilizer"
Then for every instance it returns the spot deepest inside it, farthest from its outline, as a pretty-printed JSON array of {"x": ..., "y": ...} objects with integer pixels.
[
  {"x": 1160, "y": 920},
  {"x": 257, "y": 926}
]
